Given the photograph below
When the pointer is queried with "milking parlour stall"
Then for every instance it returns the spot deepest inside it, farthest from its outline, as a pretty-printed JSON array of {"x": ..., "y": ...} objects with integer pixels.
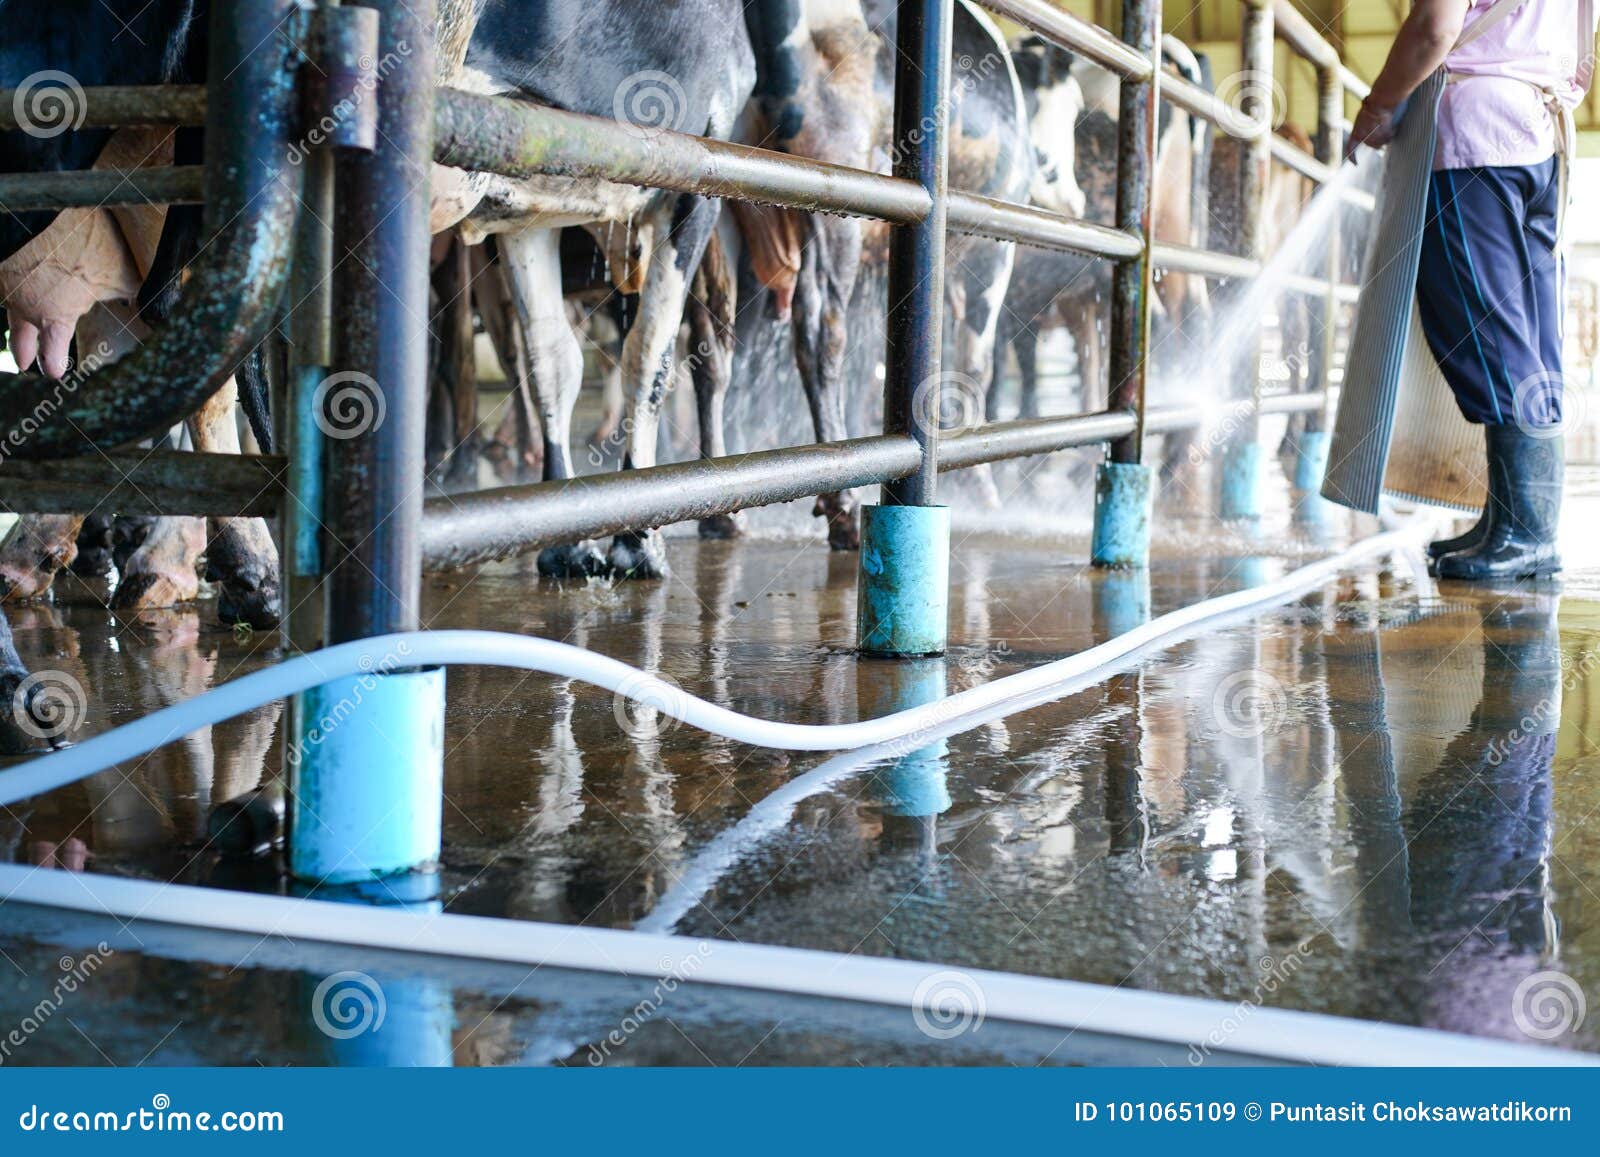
[{"x": 889, "y": 552}]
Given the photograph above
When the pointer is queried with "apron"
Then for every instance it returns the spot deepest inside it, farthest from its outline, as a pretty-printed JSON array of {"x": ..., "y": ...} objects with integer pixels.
[{"x": 1394, "y": 397}]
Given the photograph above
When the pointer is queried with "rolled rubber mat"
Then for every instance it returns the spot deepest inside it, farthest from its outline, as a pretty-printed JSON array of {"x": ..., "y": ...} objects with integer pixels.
[{"x": 1397, "y": 430}]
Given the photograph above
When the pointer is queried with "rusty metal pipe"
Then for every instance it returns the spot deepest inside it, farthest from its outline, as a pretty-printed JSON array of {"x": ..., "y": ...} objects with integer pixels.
[
  {"x": 118, "y": 106},
  {"x": 1068, "y": 31},
  {"x": 1138, "y": 103},
  {"x": 489, "y": 524},
  {"x": 912, "y": 342},
  {"x": 234, "y": 286},
  {"x": 99, "y": 188}
]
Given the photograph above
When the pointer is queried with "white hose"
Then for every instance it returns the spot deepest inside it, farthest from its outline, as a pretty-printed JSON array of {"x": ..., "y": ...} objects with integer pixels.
[
  {"x": 496, "y": 649},
  {"x": 930, "y": 991}
]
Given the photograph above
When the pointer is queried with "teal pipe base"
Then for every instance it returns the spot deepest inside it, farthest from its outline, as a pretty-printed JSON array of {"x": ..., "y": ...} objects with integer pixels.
[
  {"x": 903, "y": 581},
  {"x": 366, "y": 777},
  {"x": 1311, "y": 461},
  {"x": 1123, "y": 492},
  {"x": 1240, "y": 492},
  {"x": 1310, "y": 464}
]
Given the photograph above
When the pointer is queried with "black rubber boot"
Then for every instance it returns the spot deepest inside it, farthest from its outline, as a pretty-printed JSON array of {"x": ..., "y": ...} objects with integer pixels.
[
  {"x": 1521, "y": 538},
  {"x": 1440, "y": 547}
]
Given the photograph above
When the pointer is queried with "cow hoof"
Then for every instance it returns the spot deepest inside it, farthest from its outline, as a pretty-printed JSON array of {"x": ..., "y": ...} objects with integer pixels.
[
  {"x": 640, "y": 556},
  {"x": 148, "y": 590},
  {"x": 572, "y": 560},
  {"x": 722, "y": 526},
  {"x": 843, "y": 533},
  {"x": 255, "y": 606}
]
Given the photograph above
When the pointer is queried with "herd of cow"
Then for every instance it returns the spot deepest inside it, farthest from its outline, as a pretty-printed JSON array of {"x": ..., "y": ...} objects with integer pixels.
[{"x": 808, "y": 77}]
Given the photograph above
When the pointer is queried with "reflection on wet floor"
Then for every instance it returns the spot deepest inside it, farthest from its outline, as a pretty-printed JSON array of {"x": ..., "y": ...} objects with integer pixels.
[{"x": 1374, "y": 802}]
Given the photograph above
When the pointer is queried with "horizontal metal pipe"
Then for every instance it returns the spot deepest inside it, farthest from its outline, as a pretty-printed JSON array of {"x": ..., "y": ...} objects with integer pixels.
[
  {"x": 1208, "y": 107},
  {"x": 145, "y": 482},
  {"x": 1027, "y": 437},
  {"x": 107, "y": 106},
  {"x": 1293, "y": 403},
  {"x": 1188, "y": 259},
  {"x": 1068, "y": 31},
  {"x": 472, "y": 528},
  {"x": 94, "y": 188},
  {"x": 1004, "y": 221},
  {"x": 517, "y": 139},
  {"x": 1296, "y": 30}
]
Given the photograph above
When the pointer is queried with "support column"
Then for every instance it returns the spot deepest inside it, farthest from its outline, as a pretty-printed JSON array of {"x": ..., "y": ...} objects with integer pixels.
[
  {"x": 1124, "y": 485},
  {"x": 367, "y": 764},
  {"x": 1311, "y": 457},
  {"x": 1241, "y": 479},
  {"x": 903, "y": 587}
]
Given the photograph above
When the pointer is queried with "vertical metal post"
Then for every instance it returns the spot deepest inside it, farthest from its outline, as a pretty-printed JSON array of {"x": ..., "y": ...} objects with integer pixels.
[
  {"x": 916, "y": 252},
  {"x": 1123, "y": 484},
  {"x": 1312, "y": 458},
  {"x": 1241, "y": 481},
  {"x": 367, "y": 767},
  {"x": 903, "y": 595}
]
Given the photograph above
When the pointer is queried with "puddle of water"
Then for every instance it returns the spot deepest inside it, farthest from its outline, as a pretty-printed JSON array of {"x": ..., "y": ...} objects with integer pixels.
[{"x": 1370, "y": 803}]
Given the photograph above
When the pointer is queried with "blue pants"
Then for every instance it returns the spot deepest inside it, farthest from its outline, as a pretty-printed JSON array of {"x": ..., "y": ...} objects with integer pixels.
[{"x": 1489, "y": 290}]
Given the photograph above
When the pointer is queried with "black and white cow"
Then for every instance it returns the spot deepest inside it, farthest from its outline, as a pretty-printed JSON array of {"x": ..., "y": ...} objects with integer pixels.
[
  {"x": 97, "y": 277},
  {"x": 679, "y": 64},
  {"x": 825, "y": 91}
]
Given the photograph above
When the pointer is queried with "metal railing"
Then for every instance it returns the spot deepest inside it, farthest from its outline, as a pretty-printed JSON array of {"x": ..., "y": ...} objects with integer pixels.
[{"x": 501, "y": 135}]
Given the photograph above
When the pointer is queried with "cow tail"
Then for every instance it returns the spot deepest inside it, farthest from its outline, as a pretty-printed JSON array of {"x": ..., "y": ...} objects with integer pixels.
[{"x": 254, "y": 395}]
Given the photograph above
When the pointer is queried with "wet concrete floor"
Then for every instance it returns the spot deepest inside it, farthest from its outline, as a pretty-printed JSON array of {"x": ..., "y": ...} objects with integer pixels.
[{"x": 1376, "y": 802}]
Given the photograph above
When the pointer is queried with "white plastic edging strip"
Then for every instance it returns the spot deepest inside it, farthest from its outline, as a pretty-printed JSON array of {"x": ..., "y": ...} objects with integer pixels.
[{"x": 1214, "y": 1025}]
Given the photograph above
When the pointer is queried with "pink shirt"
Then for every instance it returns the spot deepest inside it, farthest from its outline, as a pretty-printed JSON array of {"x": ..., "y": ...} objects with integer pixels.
[{"x": 1494, "y": 110}]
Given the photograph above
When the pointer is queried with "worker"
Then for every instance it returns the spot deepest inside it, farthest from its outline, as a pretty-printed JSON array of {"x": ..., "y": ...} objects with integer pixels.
[{"x": 1490, "y": 283}]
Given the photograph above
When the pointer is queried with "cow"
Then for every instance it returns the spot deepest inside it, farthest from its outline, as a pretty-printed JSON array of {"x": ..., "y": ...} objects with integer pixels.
[
  {"x": 1052, "y": 287},
  {"x": 99, "y": 277},
  {"x": 825, "y": 91},
  {"x": 683, "y": 66}
]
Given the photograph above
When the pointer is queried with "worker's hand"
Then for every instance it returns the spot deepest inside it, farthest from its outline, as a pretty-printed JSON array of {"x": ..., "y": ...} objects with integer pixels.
[{"x": 1374, "y": 127}]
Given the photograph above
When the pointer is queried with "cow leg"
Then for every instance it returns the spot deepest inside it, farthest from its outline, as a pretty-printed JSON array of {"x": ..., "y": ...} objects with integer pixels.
[
  {"x": 532, "y": 264},
  {"x": 1026, "y": 346},
  {"x": 647, "y": 360},
  {"x": 94, "y": 546},
  {"x": 986, "y": 272},
  {"x": 821, "y": 299},
  {"x": 162, "y": 571},
  {"x": 514, "y": 439},
  {"x": 711, "y": 312},
  {"x": 36, "y": 548},
  {"x": 241, "y": 554}
]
